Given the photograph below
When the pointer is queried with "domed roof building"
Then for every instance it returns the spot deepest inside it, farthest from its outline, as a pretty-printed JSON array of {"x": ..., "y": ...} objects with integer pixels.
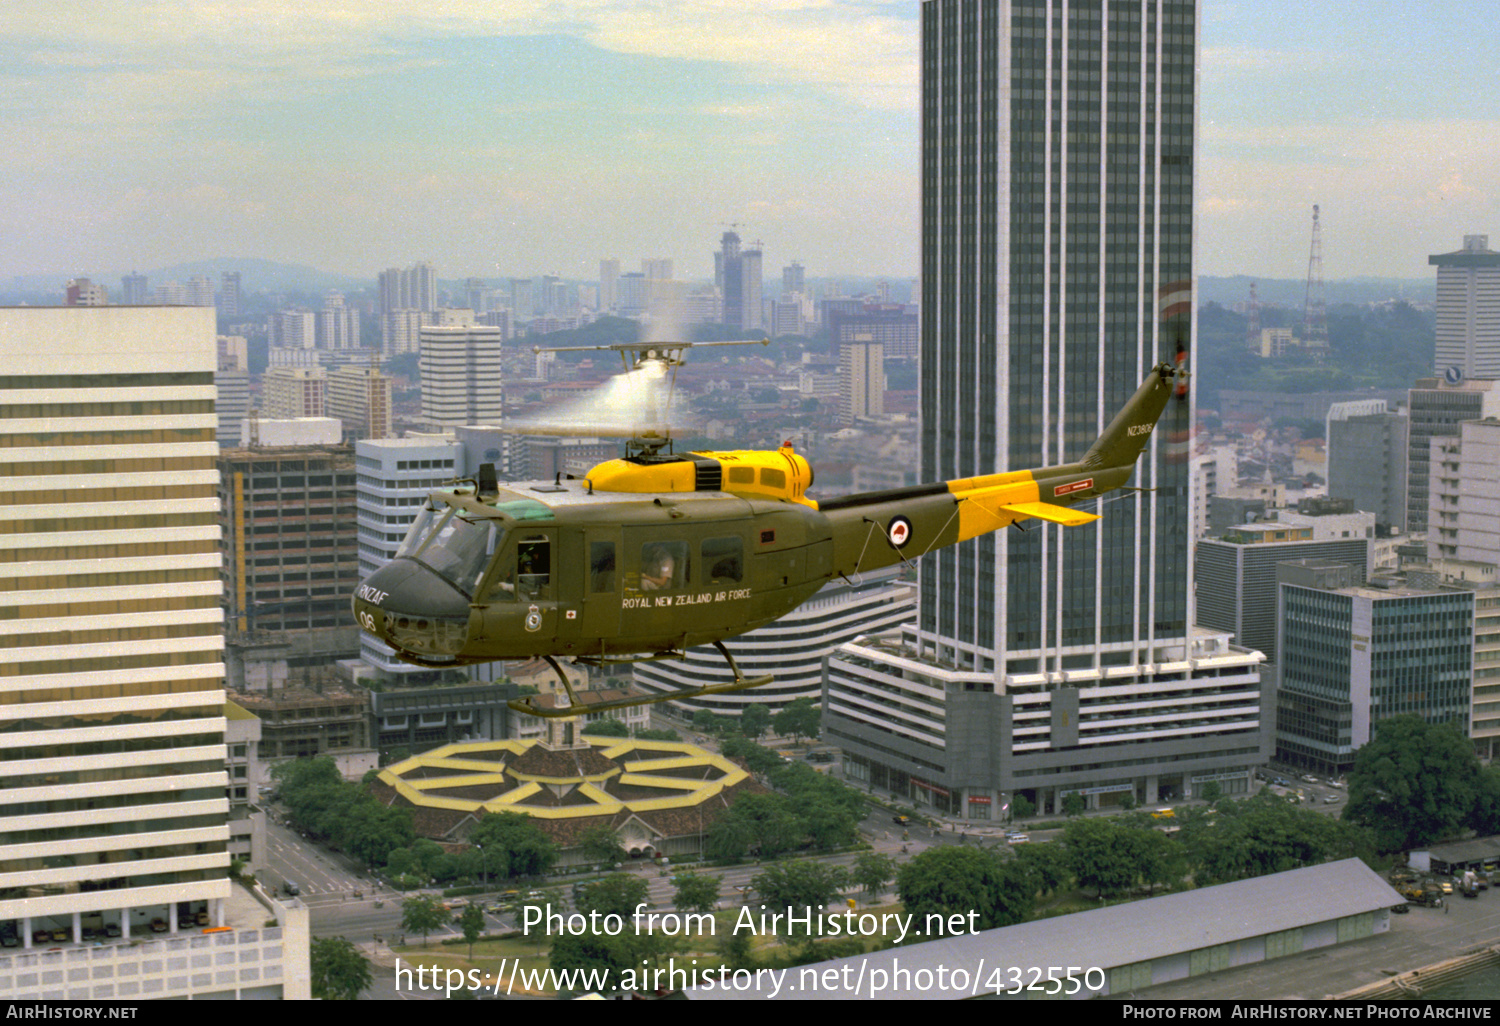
[{"x": 660, "y": 797}]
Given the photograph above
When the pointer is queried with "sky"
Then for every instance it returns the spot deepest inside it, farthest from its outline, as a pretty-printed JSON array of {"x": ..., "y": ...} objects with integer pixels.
[{"x": 528, "y": 137}]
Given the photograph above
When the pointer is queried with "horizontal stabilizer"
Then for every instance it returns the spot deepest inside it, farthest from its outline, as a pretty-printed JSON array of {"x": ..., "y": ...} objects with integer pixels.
[{"x": 1064, "y": 515}]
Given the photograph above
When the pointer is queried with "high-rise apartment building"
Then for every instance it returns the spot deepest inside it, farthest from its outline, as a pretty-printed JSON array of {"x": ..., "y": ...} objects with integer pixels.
[
  {"x": 292, "y": 392},
  {"x": 229, "y": 294},
  {"x": 861, "y": 381},
  {"x": 1468, "y": 310},
  {"x": 82, "y": 292},
  {"x": 1464, "y": 495},
  {"x": 412, "y": 288},
  {"x": 737, "y": 273},
  {"x": 793, "y": 280},
  {"x": 112, "y": 760},
  {"x": 337, "y": 325},
  {"x": 135, "y": 289},
  {"x": 891, "y": 324},
  {"x": 609, "y": 275},
  {"x": 462, "y": 375},
  {"x": 361, "y": 398},
  {"x": 1435, "y": 409},
  {"x": 1367, "y": 455},
  {"x": 200, "y": 290},
  {"x": 1057, "y": 227}
]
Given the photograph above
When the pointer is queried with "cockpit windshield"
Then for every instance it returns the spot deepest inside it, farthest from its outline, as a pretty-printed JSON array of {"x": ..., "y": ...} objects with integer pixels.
[{"x": 453, "y": 545}]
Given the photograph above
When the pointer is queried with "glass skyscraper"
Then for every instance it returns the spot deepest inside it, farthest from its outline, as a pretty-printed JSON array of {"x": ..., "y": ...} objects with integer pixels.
[
  {"x": 1057, "y": 261},
  {"x": 1057, "y": 201}
]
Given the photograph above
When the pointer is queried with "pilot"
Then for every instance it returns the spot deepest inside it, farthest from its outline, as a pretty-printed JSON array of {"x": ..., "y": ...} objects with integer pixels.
[{"x": 656, "y": 573}]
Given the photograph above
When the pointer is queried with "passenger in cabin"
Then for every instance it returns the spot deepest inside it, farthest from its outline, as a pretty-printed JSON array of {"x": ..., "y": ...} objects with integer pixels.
[{"x": 656, "y": 568}]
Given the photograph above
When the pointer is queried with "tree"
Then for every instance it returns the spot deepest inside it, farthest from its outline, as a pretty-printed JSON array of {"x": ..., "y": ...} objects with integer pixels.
[
  {"x": 371, "y": 831},
  {"x": 1042, "y": 864},
  {"x": 1074, "y": 804},
  {"x": 872, "y": 871},
  {"x": 729, "y": 838},
  {"x": 708, "y": 721},
  {"x": 339, "y": 971},
  {"x": 617, "y": 893},
  {"x": 607, "y": 727},
  {"x": 1267, "y": 835},
  {"x": 827, "y": 824},
  {"x": 755, "y": 720},
  {"x": 799, "y": 719},
  {"x": 1413, "y": 783},
  {"x": 422, "y": 914},
  {"x": 1210, "y": 791},
  {"x": 657, "y": 735},
  {"x": 1098, "y": 853},
  {"x": 621, "y": 957},
  {"x": 799, "y": 885},
  {"x": 512, "y": 844},
  {"x": 1021, "y": 807},
  {"x": 601, "y": 844},
  {"x": 773, "y": 825},
  {"x": 471, "y": 922},
  {"x": 696, "y": 892},
  {"x": 759, "y": 758},
  {"x": 955, "y": 881}
]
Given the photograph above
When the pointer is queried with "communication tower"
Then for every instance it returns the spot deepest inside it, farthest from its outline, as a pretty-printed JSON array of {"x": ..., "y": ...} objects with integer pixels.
[
  {"x": 1315, "y": 311},
  {"x": 1252, "y": 322}
]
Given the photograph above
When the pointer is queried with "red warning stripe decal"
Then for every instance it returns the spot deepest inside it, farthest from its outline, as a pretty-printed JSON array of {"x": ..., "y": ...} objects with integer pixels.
[{"x": 1076, "y": 486}]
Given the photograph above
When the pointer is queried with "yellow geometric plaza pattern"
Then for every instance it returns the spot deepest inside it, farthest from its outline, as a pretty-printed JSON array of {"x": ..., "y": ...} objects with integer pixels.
[{"x": 612, "y": 775}]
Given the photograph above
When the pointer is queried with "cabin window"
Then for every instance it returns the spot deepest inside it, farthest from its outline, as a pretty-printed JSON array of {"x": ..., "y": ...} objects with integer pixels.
[
  {"x": 601, "y": 567},
  {"x": 527, "y": 574},
  {"x": 534, "y": 566},
  {"x": 664, "y": 566},
  {"x": 741, "y": 475},
  {"x": 725, "y": 559},
  {"x": 772, "y": 478}
]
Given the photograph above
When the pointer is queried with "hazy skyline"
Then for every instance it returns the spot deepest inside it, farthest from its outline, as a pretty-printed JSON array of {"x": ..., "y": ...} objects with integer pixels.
[{"x": 539, "y": 137}]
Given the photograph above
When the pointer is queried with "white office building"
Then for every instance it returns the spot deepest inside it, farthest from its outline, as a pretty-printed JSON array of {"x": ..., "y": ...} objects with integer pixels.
[
  {"x": 461, "y": 375},
  {"x": 112, "y": 757},
  {"x": 394, "y": 476}
]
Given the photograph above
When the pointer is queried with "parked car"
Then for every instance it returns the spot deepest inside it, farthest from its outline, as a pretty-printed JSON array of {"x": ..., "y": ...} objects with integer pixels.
[{"x": 159, "y": 925}]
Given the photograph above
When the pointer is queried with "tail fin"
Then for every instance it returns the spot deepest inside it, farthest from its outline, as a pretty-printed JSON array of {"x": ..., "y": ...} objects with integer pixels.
[{"x": 1121, "y": 443}]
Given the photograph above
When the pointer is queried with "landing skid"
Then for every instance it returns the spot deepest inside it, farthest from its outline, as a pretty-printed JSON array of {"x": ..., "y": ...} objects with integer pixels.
[{"x": 576, "y": 708}]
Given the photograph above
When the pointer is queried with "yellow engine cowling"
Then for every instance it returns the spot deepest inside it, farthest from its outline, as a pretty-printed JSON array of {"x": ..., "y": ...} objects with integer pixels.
[{"x": 753, "y": 473}]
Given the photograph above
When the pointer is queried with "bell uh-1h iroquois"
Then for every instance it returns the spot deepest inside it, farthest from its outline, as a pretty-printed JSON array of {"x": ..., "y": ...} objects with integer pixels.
[{"x": 649, "y": 555}]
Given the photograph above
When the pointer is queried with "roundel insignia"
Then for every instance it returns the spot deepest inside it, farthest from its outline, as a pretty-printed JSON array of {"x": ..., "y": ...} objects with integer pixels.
[{"x": 898, "y": 531}]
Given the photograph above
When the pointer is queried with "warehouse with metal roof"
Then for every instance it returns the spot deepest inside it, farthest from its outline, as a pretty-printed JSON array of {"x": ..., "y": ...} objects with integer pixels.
[{"x": 1112, "y": 950}]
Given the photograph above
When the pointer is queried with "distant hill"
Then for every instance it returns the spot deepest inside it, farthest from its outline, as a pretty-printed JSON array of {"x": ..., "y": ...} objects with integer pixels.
[
  {"x": 258, "y": 276},
  {"x": 1230, "y": 292}
]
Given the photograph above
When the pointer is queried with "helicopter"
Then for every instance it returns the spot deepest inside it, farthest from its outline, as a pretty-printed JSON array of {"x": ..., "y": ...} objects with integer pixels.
[{"x": 650, "y": 554}]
